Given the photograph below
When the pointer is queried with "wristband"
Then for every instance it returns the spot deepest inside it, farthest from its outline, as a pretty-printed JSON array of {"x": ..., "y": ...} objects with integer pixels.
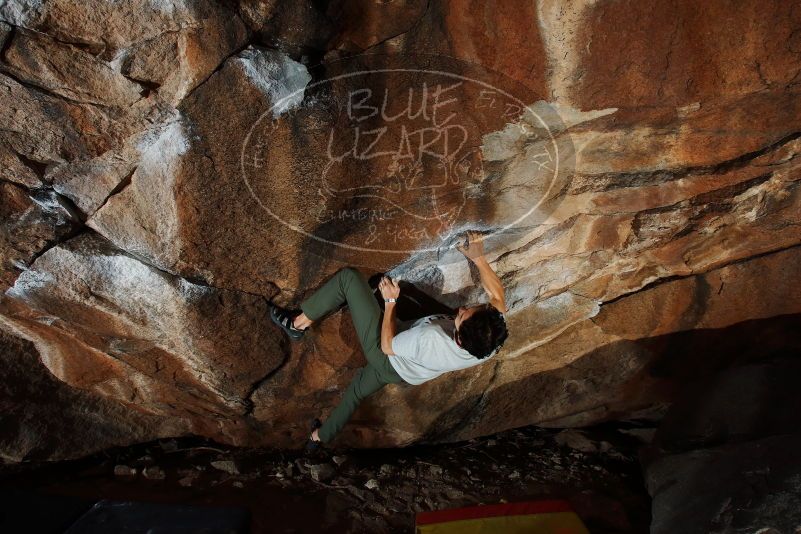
[{"x": 390, "y": 300}]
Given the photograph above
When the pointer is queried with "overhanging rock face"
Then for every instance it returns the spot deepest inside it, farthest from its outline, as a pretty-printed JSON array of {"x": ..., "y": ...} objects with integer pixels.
[
  {"x": 144, "y": 330},
  {"x": 46, "y": 419},
  {"x": 140, "y": 254}
]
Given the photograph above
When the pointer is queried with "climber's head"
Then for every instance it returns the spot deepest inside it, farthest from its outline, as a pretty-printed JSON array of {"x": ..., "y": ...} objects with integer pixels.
[{"x": 480, "y": 329}]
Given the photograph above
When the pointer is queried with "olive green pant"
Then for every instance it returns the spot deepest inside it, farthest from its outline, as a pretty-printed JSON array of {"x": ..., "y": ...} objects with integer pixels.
[{"x": 349, "y": 285}]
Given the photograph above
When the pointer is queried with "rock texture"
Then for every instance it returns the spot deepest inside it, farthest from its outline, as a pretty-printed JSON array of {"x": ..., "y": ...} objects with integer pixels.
[
  {"x": 30, "y": 223},
  {"x": 46, "y": 419},
  {"x": 163, "y": 179},
  {"x": 723, "y": 460},
  {"x": 135, "y": 334}
]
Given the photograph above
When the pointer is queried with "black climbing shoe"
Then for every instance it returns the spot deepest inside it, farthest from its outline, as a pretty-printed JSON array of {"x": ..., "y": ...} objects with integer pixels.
[
  {"x": 373, "y": 282},
  {"x": 284, "y": 318},
  {"x": 311, "y": 445}
]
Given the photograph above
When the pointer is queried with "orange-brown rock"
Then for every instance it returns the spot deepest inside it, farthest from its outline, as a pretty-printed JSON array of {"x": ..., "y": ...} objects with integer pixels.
[
  {"x": 46, "y": 419},
  {"x": 634, "y": 165},
  {"x": 120, "y": 328},
  {"x": 298, "y": 27},
  {"x": 36, "y": 59}
]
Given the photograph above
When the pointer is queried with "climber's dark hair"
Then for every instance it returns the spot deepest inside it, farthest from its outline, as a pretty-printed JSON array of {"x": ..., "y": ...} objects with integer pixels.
[{"x": 483, "y": 332}]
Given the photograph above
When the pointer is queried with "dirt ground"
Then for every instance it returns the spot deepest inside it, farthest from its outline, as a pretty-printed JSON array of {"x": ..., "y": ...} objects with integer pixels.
[{"x": 343, "y": 491}]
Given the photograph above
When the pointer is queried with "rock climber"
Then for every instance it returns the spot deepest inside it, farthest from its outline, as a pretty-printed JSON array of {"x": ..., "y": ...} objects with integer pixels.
[{"x": 427, "y": 348}]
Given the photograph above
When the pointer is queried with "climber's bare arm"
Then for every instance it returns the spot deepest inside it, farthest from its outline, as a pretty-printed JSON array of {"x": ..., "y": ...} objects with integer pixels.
[
  {"x": 388, "y": 329},
  {"x": 491, "y": 283},
  {"x": 474, "y": 251},
  {"x": 389, "y": 289}
]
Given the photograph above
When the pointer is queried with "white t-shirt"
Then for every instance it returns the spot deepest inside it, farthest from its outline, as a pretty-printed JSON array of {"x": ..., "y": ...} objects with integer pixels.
[{"x": 425, "y": 349}]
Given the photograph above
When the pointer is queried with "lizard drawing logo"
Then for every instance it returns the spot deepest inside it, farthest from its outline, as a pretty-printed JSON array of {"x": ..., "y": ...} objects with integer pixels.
[{"x": 381, "y": 157}]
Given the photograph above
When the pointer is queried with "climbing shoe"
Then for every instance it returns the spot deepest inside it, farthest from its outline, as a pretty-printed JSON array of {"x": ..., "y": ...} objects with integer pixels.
[
  {"x": 373, "y": 282},
  {"x": 283, "y": 318},
  {"x": 311, "y": 445}
]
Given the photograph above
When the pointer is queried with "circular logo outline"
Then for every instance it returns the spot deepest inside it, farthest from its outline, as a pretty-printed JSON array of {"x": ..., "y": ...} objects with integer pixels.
[{"x": 269, "y": 112}]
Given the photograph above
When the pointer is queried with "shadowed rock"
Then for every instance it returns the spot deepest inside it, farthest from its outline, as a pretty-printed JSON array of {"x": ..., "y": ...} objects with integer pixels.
[
  {"x": 30, "y": 396},
  {"x": 125, "y": 330}
]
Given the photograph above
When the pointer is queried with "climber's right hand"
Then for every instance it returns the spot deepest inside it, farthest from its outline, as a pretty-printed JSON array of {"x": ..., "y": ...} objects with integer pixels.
[{"x": 473, "y": 245}]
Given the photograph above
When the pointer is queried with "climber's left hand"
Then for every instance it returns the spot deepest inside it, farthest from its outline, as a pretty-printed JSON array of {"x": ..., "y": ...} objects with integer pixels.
[{"x": 389, "y": 288}]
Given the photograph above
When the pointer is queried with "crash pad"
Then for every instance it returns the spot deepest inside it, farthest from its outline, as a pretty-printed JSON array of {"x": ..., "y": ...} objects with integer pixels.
[{"x": 531, "y": 517}]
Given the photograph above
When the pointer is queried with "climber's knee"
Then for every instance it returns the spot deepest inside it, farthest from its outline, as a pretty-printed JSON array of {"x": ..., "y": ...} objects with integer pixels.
[
  {"x": 349, "y": 272},
  {"x": 348, "y": 275}
]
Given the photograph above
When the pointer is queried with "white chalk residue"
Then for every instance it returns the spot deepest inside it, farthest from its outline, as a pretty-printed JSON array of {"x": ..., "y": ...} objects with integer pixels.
[
  {"x": 541, "y": 121},
  {"x": 559, "y": 22},
  {"x": 29, "y": 282},
  {"x": 161, "y": 149},
  {"x": 48, "y": 201},
  {"x": 20, "y": 12},
  {"x": 569, "y": 115},
  {"x": 154, "y": 184},
  {"x": 191, "y": 293},
  {"x": 277, "y": 76},
  {"x": 149, "y": 225},
  {"x": 119, "y": 58},
  {"x": 169, "y": 7},
  {"x": 456, "y": 276}
]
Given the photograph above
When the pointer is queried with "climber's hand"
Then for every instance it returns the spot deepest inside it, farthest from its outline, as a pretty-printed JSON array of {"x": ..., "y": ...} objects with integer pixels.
[
  {"x": 473, "y": 245},
  {"x": 389, "y": 288}
]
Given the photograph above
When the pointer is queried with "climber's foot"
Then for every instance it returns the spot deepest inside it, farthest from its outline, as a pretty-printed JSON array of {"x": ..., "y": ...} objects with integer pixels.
[
  {"x": 284, "y": 319},
  {"x": 314, "y": 443}
]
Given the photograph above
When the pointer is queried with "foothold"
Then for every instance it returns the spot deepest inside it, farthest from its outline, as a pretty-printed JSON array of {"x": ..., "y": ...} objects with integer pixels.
[
  {"x": 226, "y": 465},
  {"x": 321, "y": 472},
  {"x": 154, "y": 472},
  {"x": 124, "y": 471}
]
